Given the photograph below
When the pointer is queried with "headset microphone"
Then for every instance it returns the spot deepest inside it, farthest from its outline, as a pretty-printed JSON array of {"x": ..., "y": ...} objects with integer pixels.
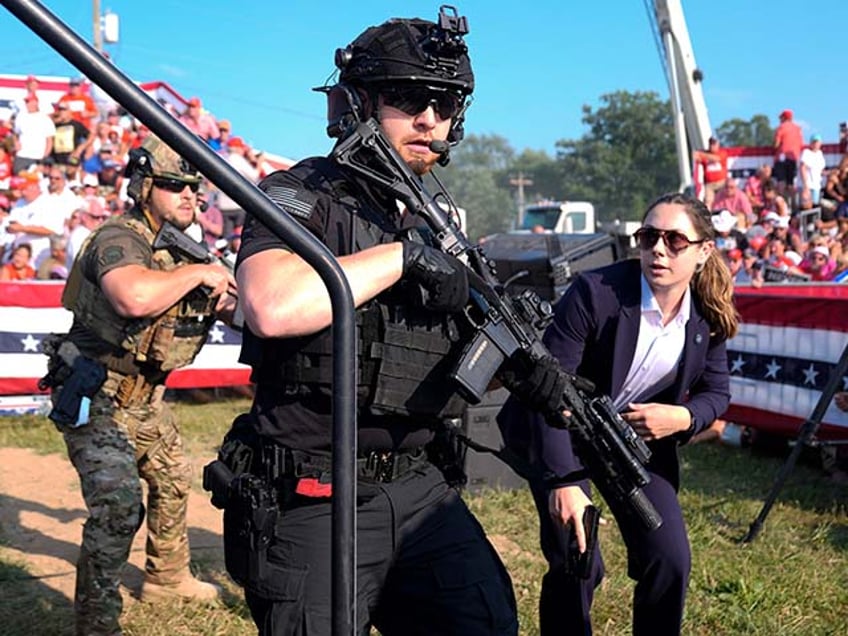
[{"x": 439, "y": 147}]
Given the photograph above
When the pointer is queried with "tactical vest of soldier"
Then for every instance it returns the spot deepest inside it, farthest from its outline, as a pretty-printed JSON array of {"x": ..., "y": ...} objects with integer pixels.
[
  {"x": 405, "y": 351},
  {"x": 154, "y": 345},
  {"x": 163, "y": 343}
]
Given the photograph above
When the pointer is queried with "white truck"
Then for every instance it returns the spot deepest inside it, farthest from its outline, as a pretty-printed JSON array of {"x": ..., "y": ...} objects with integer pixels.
[{"x": 558, "y": 217}]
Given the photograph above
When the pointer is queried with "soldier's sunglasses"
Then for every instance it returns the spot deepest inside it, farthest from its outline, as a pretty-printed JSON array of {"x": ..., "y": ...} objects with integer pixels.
[
  {"x": 174, "y": 185},
  {"x": 415, "y": 99},
  {"x": 675, "y": 241}
]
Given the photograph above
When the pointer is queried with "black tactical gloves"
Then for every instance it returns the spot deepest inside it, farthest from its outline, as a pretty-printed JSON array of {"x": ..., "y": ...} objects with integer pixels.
[
  {"x": 538, "y": 386},
  {"x": 443, "y": 277}
]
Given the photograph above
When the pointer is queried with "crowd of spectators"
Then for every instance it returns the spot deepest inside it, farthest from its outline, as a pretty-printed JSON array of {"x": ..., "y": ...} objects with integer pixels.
[
  {"x": 61, "y": 176},
  {"x": 786, "y": 222}
]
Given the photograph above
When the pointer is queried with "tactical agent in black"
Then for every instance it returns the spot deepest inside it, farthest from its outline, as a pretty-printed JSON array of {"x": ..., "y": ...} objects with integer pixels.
[{"x": 424, "y": 563}]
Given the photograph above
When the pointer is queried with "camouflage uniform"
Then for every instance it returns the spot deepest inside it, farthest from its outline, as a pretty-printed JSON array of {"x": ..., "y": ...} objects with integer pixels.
[
  {"x": 131, "y": 432},
  {"x": 110, "y": 453}
]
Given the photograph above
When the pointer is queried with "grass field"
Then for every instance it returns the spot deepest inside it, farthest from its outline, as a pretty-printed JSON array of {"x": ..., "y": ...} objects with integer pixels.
[{"x": 793, "y": 580}]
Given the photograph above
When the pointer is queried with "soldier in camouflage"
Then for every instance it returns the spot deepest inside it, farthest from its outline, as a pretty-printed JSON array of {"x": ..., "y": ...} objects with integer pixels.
[{"x": 138, "y": 314}]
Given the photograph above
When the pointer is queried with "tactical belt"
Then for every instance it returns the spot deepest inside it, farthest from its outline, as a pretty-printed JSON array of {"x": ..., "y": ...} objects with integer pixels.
[{"x": 377, "y": 466}]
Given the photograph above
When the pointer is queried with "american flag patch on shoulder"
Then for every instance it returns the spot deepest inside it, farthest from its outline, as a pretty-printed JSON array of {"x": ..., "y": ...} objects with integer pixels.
[{"x": 287, "y": 199}]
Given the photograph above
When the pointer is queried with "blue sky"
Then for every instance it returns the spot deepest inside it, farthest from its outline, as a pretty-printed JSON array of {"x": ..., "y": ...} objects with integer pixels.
[{"x": 536, "y": 63}]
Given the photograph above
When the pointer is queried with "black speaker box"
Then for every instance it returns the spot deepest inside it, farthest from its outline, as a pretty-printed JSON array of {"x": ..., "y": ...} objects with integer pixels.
[
  {"x": 484, "y": 470},
  {"x": 546, "y": 263}
]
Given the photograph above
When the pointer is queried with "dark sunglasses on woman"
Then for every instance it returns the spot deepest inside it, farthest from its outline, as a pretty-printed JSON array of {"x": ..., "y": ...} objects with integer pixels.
[{"x": 675, "y": 241}]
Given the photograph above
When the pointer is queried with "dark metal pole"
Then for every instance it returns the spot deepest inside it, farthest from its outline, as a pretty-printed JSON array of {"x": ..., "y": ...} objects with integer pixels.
[
  {"x": 808, "y": 430},
  {"x": 103, "y": 73}
]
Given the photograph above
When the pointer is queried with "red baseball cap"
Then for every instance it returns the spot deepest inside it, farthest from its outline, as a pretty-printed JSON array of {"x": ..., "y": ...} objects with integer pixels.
[
  {"x": 194, "y": 101},
  {"x": 786, "y": 114},
  {"x": 236, "y": 142},
  {"x": 757, "y": 242}
]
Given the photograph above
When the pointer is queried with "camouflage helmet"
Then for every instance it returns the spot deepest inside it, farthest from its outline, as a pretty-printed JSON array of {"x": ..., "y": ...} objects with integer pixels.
[
  {"x": 410, "y": 50},
  {"x": 152, "y": 159}
]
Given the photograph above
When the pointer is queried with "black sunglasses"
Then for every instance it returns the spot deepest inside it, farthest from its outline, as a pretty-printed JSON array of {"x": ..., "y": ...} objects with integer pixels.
[
  {"x": 174, "y": 185},
  {"x": 675, "y": 241},
  {"x": 415, "y": 99}
]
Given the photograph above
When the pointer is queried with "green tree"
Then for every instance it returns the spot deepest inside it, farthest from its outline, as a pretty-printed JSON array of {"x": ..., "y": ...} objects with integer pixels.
[
  {"x": 492, "y": 152},
  {"x": 625, "y": 160},
  {"x": 475, "y": 180},
  {"x": 755, "y": 132},
  {"x": 543, "y": 171}
]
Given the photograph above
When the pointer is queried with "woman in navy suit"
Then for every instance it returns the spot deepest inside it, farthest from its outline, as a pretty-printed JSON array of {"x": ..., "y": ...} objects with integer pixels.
[{"x": 651, "y": 334}]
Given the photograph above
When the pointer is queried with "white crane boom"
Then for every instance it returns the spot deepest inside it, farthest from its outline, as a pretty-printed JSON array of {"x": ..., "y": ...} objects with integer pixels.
[{"x": 692, "y": 128}]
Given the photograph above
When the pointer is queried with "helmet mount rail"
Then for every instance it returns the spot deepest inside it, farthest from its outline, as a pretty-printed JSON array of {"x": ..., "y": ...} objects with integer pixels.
[{"x": 448, "y": 44}]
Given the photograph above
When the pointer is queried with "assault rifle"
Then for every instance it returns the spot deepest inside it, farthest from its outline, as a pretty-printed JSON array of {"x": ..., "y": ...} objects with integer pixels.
[
  {"x": 507, "y": 328},
  {"x": 181, "y": 245}
]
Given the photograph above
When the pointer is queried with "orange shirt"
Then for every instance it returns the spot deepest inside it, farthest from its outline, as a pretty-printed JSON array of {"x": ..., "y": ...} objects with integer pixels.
[
  {"x": 11, "y": 273},
  {"x": 788, "y": 141},
  {"x": 82, "y": 107}
]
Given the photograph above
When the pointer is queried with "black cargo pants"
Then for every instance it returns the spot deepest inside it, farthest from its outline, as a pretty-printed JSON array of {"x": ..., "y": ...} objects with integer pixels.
[{"x": 424, "y": 566}]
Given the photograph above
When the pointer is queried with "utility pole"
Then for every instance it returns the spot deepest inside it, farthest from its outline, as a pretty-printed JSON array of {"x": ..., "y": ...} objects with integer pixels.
[
  {"x": 97, "y": 27},
  {"x": 519, "y": 182}
]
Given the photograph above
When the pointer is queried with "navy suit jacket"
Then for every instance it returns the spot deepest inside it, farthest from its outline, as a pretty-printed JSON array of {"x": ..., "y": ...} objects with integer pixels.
[{"x": 594, "y": 334}]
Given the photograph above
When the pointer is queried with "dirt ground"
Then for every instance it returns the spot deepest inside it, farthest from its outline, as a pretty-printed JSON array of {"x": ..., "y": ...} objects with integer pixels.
[{"x": 42, "y": 514}]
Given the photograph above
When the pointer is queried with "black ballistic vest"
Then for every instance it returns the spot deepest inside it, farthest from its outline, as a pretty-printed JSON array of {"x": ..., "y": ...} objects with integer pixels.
[{"x": 405, "y": 352}]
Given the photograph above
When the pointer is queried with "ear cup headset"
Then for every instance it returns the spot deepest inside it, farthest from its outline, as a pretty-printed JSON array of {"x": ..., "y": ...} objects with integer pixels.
[{"x": 139, "y": 167}]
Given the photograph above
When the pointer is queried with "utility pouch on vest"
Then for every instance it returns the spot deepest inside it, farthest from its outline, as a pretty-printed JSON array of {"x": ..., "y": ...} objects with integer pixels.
[
  {"x": 163, "y": 338},
  {"x": 249, "y": 521}
]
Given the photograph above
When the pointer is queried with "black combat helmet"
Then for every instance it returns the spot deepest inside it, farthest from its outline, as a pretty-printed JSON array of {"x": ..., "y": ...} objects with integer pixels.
[
  {"x": 402, "y": 51},
  {"x": 410, "y": 50}
]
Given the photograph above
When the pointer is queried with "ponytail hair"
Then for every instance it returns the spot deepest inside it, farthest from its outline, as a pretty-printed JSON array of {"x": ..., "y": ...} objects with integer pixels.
[
  {"x": 713, "y": 287},
  {"x": 712, "y": 284}
]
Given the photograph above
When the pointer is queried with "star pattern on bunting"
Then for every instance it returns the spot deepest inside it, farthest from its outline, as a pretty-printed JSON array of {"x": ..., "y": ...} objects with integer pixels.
[
  {"x": 216, "y": 335},
  {"x": 736, "y": 365},
  {"x": 801, "y": 372},
  {"x": 30, "y": 344},
  {"x": 773, "y": 369}
]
